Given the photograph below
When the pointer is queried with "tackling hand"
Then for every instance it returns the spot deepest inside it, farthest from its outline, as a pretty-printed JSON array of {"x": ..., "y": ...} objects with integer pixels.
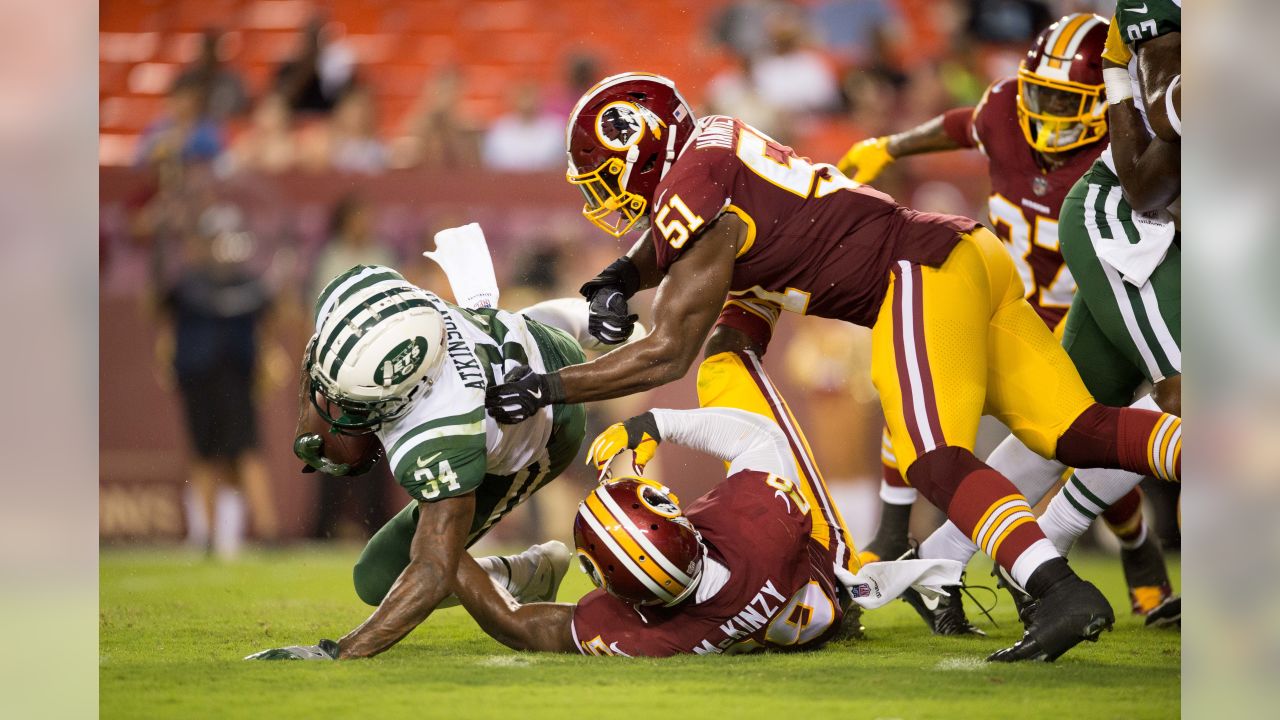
[
  {"x": 638, "y": 434},
  {"x": 869, "y": 157},
  {"x": 522, "y": 393},
  {"x": 610, "y": 322},
  {"x": 324, "y": 650}
]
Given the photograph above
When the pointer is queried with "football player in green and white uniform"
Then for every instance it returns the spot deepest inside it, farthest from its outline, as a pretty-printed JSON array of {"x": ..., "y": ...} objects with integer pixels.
[
  {"x": 391, "y": 358},
  {"x": 1119, "y": 237}
]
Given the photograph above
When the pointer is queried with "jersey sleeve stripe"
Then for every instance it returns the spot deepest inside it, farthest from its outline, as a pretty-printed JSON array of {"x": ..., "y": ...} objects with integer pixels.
[{"x": 427, "y": 434}]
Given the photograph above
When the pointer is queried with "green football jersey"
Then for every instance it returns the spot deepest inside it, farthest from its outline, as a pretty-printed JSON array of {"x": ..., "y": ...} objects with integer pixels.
[
  {"x": 446, "y": 445},
  {"x": 1141, "y": 21}
]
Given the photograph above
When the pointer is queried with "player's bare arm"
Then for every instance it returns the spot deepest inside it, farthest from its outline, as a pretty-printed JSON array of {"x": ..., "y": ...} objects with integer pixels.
[
  {"x": 540, "y": 627},
  {"x": 1160, "y": 73},
  {"x": 438, "y": 543},
  {"x": 1150, "y": 170},
  {"x": 688, "y": 302},
  {"x": 867, "y": 159}
]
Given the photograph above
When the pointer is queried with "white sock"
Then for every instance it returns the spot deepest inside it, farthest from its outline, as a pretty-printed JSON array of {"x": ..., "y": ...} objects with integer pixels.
[
  {"x": 1040, "y": 552},
  {"x": 1086, "y": 495},
  {"x": 1033, "y": 475},
  {"x": 895, "y": 495},
  {"x": 197, "y": 518},
  {"x": 948, "y": 543},
  {"x": 228, "y": 523}
]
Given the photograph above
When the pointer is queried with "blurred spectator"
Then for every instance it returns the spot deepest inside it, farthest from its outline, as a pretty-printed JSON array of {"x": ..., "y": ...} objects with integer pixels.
[
  {"x": 349, "y": 140},
  {"x": 269, "y": 145},
  {"x": 436, "y": 134},
  {"x": 582, "y": 71},
  {"x": 183, "y": 133},
  {"x": 221, "y": 89},
  {"x": 351, "y": 242},
  {"x": 1008, "y": 21},
  {"x": 733, "y": 92},
  {"x": 857, "y": 31},
  {"x": 790, "y": 76},
  {"x": 320, "y": 74},
  {"x": 215, "y": 314},
  {"x": 741, "y": 26},
  {"x": 527, "y": 139}
]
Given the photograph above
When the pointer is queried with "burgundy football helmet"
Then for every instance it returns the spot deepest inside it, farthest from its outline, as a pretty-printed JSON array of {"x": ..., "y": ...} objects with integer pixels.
[
  {"x": 622, "y": 137},
  {"x": 635, "y": 543},
  {"x": 1061, "y": 95}
]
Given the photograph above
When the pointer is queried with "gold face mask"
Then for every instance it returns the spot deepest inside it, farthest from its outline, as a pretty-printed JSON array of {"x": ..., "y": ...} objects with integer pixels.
[
  {"x": 608, "y": 206},
  {"x": 1059, "y": 115}
]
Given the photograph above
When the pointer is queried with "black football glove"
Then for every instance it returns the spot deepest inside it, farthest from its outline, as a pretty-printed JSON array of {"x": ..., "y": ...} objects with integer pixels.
[
  {"x": 324, "y": 650},
  {"x": 607, "y": 295},
  {"x": 522, "y": 393}
]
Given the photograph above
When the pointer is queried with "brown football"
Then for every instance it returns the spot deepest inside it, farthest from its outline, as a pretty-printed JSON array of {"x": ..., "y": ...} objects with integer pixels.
[{"x": 354, "y": 450}]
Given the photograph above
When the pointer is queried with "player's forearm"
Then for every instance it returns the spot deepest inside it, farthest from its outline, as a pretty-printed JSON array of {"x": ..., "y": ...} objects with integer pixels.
[
  {"x": 743, "y": 439},
  {"x": 930, "y": 136},
  {"x": 645, "y": 258},
  {"x": 654, "y": 360},
  {"x": 417, "y": 592},
  {"x": 1159, "y": 65},
  {"x": 1149, "y": 169},
  {"x": 543, "y": 627}
]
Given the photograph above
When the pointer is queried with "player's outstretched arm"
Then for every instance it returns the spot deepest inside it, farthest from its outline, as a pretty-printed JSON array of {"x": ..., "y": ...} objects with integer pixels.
[
  {"x": 1150, "y": 169},
  {"x": 689, "y": 300},
  {"x": 438, "y": 543},
  {"x": 541, "y": 627},
  {"x": 870, "y": 157}
]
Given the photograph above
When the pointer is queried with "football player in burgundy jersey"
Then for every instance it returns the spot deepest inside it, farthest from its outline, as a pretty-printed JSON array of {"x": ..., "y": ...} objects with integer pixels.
[
  {"x": 743, "y": 568},
  {"x": 733, "y": 214},
  {"x": 1040, "y": 131}
]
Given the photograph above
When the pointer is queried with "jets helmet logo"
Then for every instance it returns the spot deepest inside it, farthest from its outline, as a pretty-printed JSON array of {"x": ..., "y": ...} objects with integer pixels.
[
  {"x": 620, "y": 125},
  {"x": 401, "y": 362}
]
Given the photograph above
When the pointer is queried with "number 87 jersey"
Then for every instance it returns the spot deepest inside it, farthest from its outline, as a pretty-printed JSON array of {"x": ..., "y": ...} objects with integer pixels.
[{"x": 817, "y": 243}]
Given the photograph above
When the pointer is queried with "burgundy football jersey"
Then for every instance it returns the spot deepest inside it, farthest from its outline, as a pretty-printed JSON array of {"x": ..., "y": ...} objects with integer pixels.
[
  {"x": 817, "y": 243},
  {"x": 780, "y": 592},
  {"x": 1025, "y": 199}
]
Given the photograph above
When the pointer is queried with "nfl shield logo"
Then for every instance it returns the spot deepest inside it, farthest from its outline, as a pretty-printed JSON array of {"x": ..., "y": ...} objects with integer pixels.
[
  {"x": 1040, "y": 186},
  {"x": 861, "y": 590}
]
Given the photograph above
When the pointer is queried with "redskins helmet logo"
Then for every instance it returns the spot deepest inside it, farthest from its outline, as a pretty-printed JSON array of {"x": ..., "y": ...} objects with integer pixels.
[{"x": 620, "y": 125}]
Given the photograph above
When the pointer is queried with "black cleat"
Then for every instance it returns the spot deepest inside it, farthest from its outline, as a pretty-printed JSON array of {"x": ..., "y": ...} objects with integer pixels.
[
  {"x": 1166, "y": 614},
  {"x": 1071, "y": 612},
  {"x": 947, "y": 616},
  {"x": 1022, "y": 601}
]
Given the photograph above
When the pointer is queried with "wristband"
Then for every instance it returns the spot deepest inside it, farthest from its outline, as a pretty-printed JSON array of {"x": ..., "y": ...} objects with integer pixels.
[
  {"x": 1175, "y": 122},
  {"x": 1119, "y": 88}
]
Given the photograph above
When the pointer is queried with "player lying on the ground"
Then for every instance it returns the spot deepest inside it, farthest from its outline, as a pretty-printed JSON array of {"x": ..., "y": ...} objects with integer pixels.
[
  {"x": 1039, "y": 132},
  {"x": 742, "y": 568},
  {"x": 393, "y": 359},
  {"x": 734, "y": 213}
]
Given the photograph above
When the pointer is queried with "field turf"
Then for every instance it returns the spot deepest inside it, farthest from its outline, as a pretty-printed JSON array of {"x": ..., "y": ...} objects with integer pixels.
[{"x": 174, "y": 627}]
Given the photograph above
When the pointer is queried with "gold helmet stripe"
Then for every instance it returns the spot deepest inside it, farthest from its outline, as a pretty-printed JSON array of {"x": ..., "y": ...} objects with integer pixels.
[
  {"x": 1065, "y": 35},
  {"x": 613, "y": 525},
  {"x": 600, "y": 527}
]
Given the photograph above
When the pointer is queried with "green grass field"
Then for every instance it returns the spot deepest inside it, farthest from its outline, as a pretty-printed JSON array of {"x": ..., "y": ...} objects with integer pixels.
[{"x": 174, "y": 627}]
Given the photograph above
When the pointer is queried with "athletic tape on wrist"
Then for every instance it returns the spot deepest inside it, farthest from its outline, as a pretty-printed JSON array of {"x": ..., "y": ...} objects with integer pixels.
[{"x": 1119, "y": 88}]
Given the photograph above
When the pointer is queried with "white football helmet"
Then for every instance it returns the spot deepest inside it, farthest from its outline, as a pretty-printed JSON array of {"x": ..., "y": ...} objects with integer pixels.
[{"x": 379, "y": 343}]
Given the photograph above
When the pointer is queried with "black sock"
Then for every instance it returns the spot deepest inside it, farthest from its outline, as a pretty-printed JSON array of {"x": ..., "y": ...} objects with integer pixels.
[
  {"x": 891, "y": 537},
  {"x": 1048, "y": 575}
]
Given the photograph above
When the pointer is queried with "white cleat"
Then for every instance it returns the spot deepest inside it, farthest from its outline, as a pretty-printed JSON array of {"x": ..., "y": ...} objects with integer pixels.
[{"x": 550, "y": 562}]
